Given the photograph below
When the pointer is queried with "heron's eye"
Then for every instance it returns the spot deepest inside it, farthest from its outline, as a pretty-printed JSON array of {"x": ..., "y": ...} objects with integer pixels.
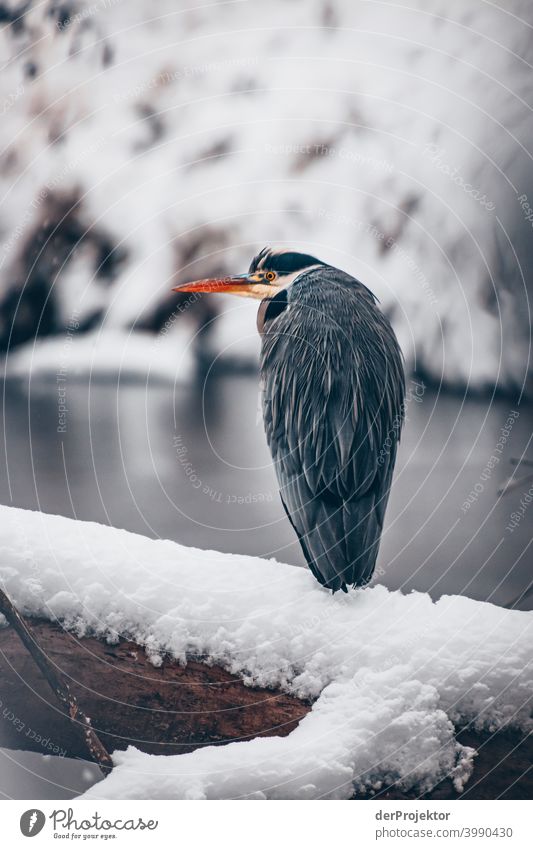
[{"x": 270, "y": 275}]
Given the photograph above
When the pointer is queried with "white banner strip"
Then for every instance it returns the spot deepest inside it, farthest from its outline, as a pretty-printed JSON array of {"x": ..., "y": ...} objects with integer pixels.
[{"x": 235, "y": 825}]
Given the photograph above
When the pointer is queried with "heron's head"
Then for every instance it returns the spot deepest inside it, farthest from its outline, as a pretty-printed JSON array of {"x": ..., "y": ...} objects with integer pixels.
[{"x": 270, "y": 273}]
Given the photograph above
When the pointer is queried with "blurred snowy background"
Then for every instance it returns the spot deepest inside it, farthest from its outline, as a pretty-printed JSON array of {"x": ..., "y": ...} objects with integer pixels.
[{"x": 143, "y": 144}]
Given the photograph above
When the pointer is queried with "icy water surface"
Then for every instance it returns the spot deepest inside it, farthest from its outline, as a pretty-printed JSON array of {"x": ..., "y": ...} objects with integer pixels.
[{"x": 191, "y": 464}]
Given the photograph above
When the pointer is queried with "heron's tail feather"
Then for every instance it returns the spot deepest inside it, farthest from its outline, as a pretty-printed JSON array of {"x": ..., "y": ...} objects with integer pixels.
[{"x": 341, "y": 543}]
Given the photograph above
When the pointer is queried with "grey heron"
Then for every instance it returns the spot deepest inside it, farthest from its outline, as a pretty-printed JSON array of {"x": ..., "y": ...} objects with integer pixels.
[{"x": 333, "y": 389}]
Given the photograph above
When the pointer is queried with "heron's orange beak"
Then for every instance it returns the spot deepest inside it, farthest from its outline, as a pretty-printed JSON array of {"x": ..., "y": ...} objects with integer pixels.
[{"x": 246, "y": 285}]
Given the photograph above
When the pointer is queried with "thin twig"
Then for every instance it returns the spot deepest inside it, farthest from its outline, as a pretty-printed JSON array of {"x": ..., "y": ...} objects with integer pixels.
[
  {"x": 81, "y": 723},
  {"x": 520, "y": 597},
  {"x": 514, "y": 483},
  {"x": 517, "y": 461}
]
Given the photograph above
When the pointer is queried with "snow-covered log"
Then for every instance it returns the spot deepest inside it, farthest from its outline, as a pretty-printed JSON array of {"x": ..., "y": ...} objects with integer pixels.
[
  {"x": 177, "y": 708},
  {"x": 170, "y": 709},
  {"x": 391, "y": 676}
]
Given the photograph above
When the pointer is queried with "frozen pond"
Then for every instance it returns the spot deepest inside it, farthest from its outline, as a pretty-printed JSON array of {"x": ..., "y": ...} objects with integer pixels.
[{"x": 192, "y": 465}]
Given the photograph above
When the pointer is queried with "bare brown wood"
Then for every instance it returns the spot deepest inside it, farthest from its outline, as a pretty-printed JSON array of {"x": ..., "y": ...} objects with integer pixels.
[
  {"x": 164, "y": 710},
  {"x": 91, "y": 747}
]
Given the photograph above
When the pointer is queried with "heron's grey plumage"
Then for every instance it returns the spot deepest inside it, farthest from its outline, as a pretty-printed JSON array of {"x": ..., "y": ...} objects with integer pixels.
[{"x": 333, "y": 391}]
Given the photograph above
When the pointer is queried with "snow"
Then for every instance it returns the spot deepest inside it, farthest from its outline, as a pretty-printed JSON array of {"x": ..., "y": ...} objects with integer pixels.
[
  {"x": 195, "y": 135},
  {"x": 392, "y": 674},
  {"x": 113, "y": 353}
]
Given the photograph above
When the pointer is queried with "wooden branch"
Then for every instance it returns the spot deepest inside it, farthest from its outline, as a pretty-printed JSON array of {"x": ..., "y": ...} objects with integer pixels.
[
  {"x": 171, "y": 709},
  {"x": 88, "y": 739},
  {"x": 513, "y": 483},
  {"x": 167, "y": 709}
]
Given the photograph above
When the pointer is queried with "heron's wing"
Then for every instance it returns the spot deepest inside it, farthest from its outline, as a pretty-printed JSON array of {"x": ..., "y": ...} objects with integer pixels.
[
  {"x": 333, "y": 429},
  {"x": 339, "y": 536}
]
